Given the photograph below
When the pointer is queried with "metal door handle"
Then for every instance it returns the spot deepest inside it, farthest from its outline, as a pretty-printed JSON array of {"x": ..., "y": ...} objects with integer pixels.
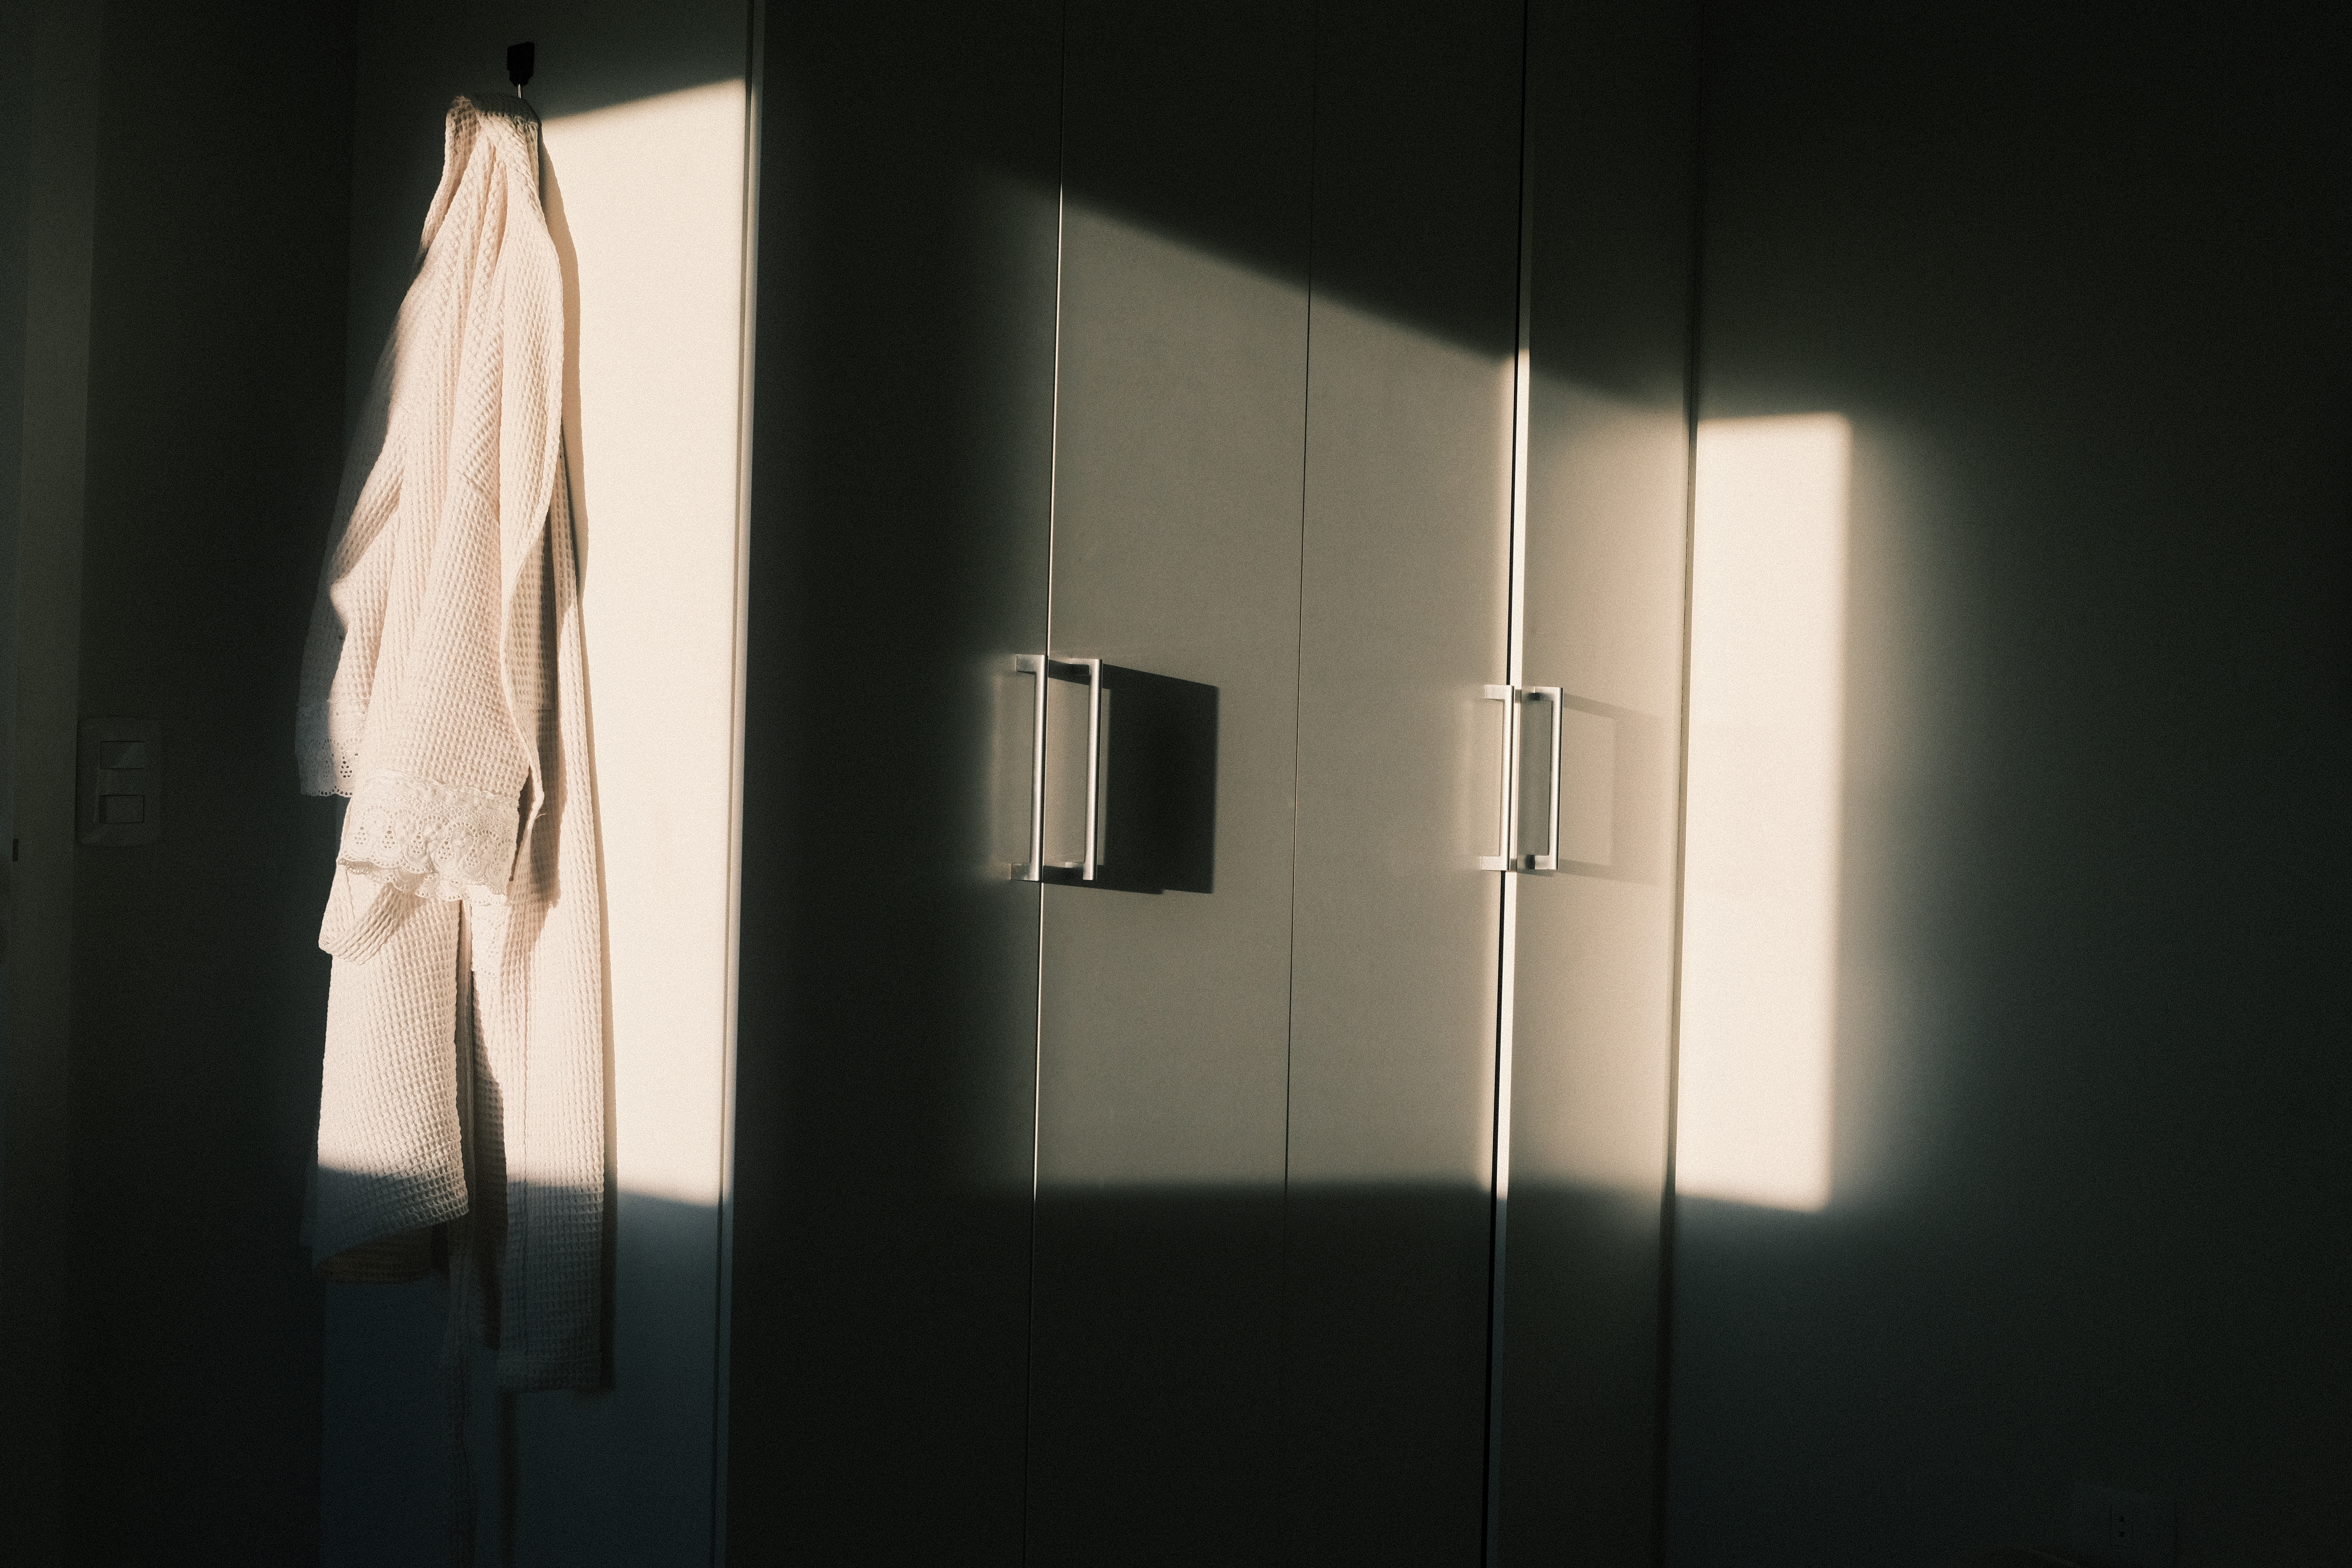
[
  {"x": 1548, "y": 860},
  {"x": 1094, "y": 759},
  {"x": 1035, "y": 664},
  {"x": 1509, "y": 854},
  {"x": 1088, "y": 670},
  {"x": 1506, "y": 807}
]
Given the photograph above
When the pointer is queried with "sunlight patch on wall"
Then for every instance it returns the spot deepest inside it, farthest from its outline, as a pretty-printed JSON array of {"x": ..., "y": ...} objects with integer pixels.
[
  {"x": 1759, "y": 995},
  {"x": 646, "y": 202}
]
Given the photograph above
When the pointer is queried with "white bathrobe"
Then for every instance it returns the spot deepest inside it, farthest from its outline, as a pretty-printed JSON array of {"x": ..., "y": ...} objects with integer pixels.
[{"x": 443, "y": 691}]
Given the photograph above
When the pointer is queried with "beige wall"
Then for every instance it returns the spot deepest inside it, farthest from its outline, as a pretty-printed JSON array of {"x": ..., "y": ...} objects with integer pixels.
[{"x": 180, "y": 445}]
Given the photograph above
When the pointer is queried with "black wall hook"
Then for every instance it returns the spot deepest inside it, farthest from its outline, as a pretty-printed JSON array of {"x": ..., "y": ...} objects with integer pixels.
[{"x": 519, "y": 64}]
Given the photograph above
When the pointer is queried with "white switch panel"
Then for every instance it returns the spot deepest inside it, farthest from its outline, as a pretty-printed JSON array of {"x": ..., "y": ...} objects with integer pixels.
[{"x": 120, "y": 789}]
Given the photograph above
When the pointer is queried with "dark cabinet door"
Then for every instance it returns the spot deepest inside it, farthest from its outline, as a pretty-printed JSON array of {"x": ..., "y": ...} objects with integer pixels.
[
  {"x": 1156, "y": 1348},
  {"x": 885, "y": 1086},
  {"x": 1398, "y": 924},
  {"x": 1612, "y": 164}
]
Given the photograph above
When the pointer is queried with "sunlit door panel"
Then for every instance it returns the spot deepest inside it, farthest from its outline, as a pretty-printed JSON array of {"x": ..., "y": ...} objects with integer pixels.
[
  {"x": 1405, "y": 595},
  {"x": 1591, "y": 1033},
  {"x": 1156, "y": 1342}
]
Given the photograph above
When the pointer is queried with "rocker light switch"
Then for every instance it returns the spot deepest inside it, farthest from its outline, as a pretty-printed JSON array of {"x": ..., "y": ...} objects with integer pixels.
[{"x": 120, "y": 791}]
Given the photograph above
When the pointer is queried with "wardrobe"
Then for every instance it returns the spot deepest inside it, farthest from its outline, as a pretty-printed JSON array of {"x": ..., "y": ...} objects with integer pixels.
[
  {"x": 1213, "y": 685},
  {"x": 1164, "y": 529}
]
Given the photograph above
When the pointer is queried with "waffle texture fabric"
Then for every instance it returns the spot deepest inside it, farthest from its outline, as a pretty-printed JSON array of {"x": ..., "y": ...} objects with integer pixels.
[{"x": 443, "y": 691}]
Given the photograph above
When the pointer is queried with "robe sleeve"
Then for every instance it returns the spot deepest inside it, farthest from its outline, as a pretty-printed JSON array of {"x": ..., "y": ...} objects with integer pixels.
[
  {"x": 451, "y": 762},
  {"x": 338, "y": 660}
]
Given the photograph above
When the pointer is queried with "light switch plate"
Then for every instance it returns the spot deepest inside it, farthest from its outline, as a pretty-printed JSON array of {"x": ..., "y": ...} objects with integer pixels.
[
  {"x": 2119, "y": 1529},
  {"x": 118, "y": 793}
]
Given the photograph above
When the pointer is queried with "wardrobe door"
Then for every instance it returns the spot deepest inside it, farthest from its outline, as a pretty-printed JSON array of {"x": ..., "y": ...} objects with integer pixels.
[
  {"x": 1397, "y": 944},
  {"x": 1165, "y": 998},
  {"x": 901, "y": 483},
  {"x": 1613, "y": 159}
]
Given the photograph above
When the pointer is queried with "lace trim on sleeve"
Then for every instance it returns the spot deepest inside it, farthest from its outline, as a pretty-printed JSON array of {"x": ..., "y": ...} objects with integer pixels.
[
  {"x": 326, "y": 746},
  {"x": 432, "y": 839}
]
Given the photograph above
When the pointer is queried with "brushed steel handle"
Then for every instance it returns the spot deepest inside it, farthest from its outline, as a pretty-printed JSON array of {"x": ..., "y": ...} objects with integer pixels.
[
  {"x": 1510, "y": 853},
  {"x": 1077, "y": 670},
  {"x": 1033, "y": 664},
  {"x": 1506, "y": 804},
  {"x": 1548, "y": 859},
  {"x": 1093, "y": 762}
]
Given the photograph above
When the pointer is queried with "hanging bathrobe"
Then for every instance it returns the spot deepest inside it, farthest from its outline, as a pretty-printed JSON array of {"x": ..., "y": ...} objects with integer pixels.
[{"x": 442, "y": 691}]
